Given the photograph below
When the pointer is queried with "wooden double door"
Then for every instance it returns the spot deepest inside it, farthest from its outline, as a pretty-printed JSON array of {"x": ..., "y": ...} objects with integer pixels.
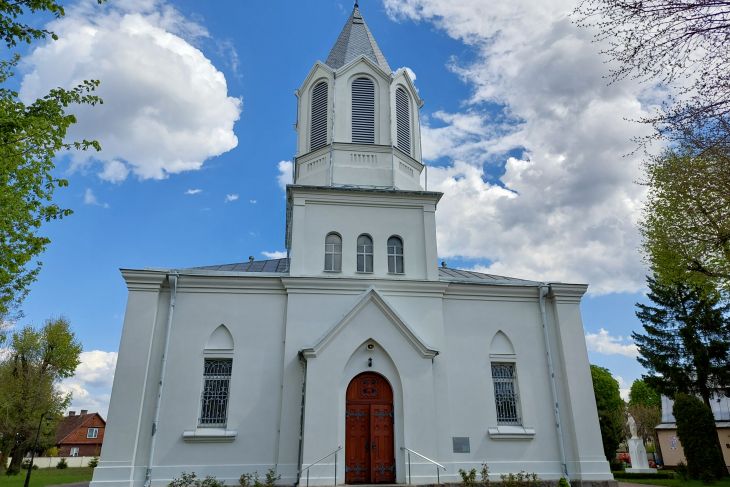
[{"x": 369, "y": 445}]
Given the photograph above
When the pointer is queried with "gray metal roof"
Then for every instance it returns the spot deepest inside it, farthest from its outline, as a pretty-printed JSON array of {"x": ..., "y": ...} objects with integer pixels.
[
  {"x": 356, "y": 40},
  {"x": 280, "y": 266},
  {"x": 447, "y": 274}
]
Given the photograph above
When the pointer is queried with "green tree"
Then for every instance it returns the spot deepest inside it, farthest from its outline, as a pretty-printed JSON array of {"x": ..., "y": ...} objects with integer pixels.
[
  {"x": 36, "y": 361},
  {"x": 643, "y": 394},
  {"x": 610, "y": 409},
  {"x": 697, "y": 433},
  {"x": 686, "y": 217},
  {"x": 30, "y": 137},
  {"x": 686, "y": 343}
]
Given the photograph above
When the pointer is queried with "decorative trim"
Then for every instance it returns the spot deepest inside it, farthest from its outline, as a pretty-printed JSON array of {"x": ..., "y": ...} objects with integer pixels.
[
  {"x": 371, "y": 295},
  {"x": 507, "y": 432},
  {"x": 143, "y": 280},
  {"x": 567, "y": 293},
  {"x": 209, "y": 435}
]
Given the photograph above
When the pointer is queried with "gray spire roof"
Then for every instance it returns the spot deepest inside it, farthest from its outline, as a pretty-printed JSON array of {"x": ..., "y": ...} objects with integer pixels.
[{"x": 354, "y": 41}]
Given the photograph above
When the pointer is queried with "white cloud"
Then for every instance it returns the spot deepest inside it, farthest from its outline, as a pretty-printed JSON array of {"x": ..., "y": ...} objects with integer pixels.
[
  {"x": 231, "y": 197},
  {"x": 565, "y": 206},
  {"x": 92, "y": 382},
  {"x": 90, "y": 199},
  {"x": 623, "y": 387},
  {"x": 193, "y": 191},
  {"x": 411, "y": 73},
  {"x": 253, "y": 202},
  {"x": 276, "y": 254},
  {"x": 166, "y": 108},
  {"x": 605, "y": 343},
  {"x": 286, "y": 173},
  {"x": 114, "y": 171}
]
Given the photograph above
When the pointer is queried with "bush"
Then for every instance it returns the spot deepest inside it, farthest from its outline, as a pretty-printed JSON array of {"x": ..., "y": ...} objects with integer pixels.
[
  {"x": 520, "y": 479},
  {"x": 270, "y": 478},
  {"x": 26, "y": 464},
  {"x": 253, "y": 479},
  {"x": 563, "y": 482},
  {"x": 681, "y": 470},
  {"x": 485, "y": 475},
  {"x": 191, "y": 480},
  {"x": 697, "y": 433},
  {"x": 62, "y": 464},
  {"x": 94, "y": 462},
  {"x": 468, "y": 479}
]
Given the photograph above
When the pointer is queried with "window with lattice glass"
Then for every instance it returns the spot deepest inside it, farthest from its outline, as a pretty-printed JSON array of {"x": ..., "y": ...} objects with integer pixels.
[
  {"x": 333, "y": 253},
  {"x": 216, "y": 391},
  {"x": 364, "y": 254},
  {"x": 505, "y": 394},
  {"x": 395, "y": 255}
]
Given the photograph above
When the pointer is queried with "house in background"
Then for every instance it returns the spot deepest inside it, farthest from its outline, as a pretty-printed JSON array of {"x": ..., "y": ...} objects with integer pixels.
[
  {"x": 671, "y": 448},
  {"x": 80, "y": 435}
]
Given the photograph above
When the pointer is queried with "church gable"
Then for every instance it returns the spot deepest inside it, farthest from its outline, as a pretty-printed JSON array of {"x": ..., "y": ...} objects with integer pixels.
[{"x": 372, "y": 297}]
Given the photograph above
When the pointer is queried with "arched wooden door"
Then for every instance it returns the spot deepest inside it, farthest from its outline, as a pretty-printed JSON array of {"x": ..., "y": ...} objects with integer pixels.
[{"x": 369, "y": 448}]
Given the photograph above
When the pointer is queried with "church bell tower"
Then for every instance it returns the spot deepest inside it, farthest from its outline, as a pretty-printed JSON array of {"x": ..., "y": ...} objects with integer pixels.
[{"x": 359, "y": 148}]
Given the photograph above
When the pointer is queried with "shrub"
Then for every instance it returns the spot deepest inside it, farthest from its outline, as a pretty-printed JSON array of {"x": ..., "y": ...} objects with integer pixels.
[
  {"x": 697, "y": 433},
  {"x": 62, "y": 464},
  {"x": 185, "y": 480},
  {"x": 468, "y": 479},
  {"x": 485, "y": 474},
  {"x": 681, "y": 471},
  {"x": 52, "y": 451},
  {"x": 271, "y": 477},
  {"x": 210, "y": 481},
  {"x": 248, "y": 480},
  {"x": 94, "y": 462},
  {"x": 520, "y": 479},
  {"x": 26, "y": 464},
  {"x": 563, "y": 482}
]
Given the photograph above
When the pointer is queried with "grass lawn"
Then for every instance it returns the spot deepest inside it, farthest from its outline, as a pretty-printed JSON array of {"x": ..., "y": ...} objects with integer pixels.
[
  {"x": 677, "y": 482},
  {"x": 48, "y": 476}
]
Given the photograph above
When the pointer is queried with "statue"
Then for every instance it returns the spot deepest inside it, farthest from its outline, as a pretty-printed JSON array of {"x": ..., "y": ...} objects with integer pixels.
[
  {"x": 632, "y": 427},
  {"x": 637, "y": 451}
]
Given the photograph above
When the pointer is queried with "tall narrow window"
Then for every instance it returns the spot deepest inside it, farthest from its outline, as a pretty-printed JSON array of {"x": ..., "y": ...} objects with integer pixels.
[
  {"x": 505, "y": 393},
  {"x": 92, "y": 432},
  {"x": 363, "y": 111},
  {"x": 318, "y": 124},
  {"x": 364, "y": 254},
  {"x": 216, "y": 388},
  {"x": 395, "y": 255},
  {"x": 333, "y": 252},
  {"x": 403, "y": 119}
]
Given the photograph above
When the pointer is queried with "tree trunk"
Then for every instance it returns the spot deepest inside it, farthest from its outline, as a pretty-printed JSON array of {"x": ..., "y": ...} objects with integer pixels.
[
  {"x": 706, "y": 398},
  {"x": 3, "y": 460},
  {"x": 17, "y": 452}
]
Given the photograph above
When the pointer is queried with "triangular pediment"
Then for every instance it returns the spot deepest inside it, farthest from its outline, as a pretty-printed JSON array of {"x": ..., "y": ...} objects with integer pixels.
[{"x": 371, "y": 296}]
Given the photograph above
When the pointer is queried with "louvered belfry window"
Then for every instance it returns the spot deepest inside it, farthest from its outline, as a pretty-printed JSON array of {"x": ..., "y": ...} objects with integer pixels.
[
  {"x": 363, "y": 111},
  {"x": 318, "y": 130},
  {"x": 216, "y": 389},
  {"x": 403, "y": 119},
  {"x": 505, "y": 393}
]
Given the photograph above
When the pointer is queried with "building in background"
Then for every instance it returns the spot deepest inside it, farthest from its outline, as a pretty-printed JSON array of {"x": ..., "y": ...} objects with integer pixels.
[
  {"x": 671, "y": 447},
  {"x": 358, "y": 359},
  {"x": 80, "y": 435}
]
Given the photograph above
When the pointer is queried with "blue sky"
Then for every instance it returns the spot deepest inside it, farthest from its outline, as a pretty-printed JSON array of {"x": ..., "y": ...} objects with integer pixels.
[{"x": 523, "y": 136}]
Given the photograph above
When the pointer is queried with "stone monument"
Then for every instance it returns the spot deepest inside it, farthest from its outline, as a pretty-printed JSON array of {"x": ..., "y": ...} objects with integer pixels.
[{"x": 639, "y": 462}]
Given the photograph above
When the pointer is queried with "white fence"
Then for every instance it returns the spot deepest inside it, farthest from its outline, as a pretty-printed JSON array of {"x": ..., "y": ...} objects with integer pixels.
[{"x": 51, "y": 462}]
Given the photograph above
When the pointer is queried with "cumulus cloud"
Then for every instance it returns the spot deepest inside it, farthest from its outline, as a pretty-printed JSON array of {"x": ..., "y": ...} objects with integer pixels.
[
  {"x": 193, "y": 191},
  {"x": 564, "y": 206},
  {"x": 91, "y": 384},
  {"x": 605, "y": 343},
  {"x": 166, "y": 107},
  {"x": 231, "y": 197},
  {"x": 90, "y": 199},
  {"x": 286, "y": 173},
  {"x": 276, "y": 254},
  {"x": 623, "y": 387}
]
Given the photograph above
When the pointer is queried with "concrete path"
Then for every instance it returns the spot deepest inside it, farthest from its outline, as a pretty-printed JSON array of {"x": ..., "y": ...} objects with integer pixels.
[
  {"x": 628, "y": 484},
  {"x": 77, "y": 484}
]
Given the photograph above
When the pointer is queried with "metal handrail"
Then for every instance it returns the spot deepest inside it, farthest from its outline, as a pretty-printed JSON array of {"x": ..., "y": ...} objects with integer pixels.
[
  {"x": 438, "y": 465},
  {"x": 334, "y": 452}
]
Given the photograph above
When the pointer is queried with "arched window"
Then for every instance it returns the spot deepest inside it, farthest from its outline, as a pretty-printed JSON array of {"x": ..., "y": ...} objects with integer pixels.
[
  {"x": 504, "y": 379},
  {"x": 318, "y": 123},
  {"x": 364, "y": 254},
  {"x": 333, "y": 252},
  {"x": 403, "y": 119},
  {"x": 363, "y": 111},
  {"x": 217, "y": 367},
  {"x": 395, "y": 255}
]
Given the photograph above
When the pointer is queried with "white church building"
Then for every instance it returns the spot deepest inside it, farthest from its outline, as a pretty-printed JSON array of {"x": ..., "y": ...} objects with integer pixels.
[{"x": 358, "y": 359}]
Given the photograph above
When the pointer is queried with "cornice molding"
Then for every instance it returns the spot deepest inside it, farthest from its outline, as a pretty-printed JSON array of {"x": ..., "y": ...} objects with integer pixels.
[
  {"x": 567, "y": 293},
  {"x": 143, "y": 280},
  {"x": 491, "y": 292},
  {"x": 343, "y": 285}
]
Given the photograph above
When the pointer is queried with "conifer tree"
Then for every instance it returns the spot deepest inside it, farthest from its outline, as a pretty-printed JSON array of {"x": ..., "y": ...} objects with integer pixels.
[{"x": 686, "y": 345}]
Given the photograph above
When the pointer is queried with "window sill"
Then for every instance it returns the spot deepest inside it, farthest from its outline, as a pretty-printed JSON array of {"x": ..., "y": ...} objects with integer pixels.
[
  {"x": 364, "y": 272},
  {"x": 508, "y": 432},
  {"x": 397, "y": 273},
  {"x": 332, "y": 272},
  {"x": 209, "y": 435}
]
